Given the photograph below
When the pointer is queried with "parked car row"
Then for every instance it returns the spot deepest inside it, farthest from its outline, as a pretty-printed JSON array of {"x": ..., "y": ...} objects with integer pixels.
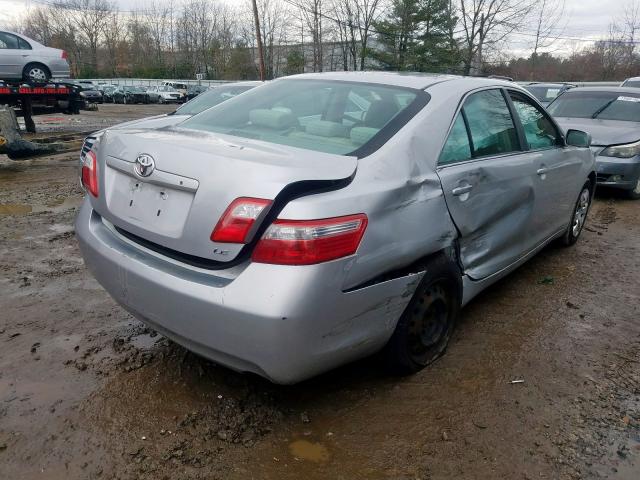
[
  {"x": 612, "y": 116},
  {"x": 310, "y": 221}
]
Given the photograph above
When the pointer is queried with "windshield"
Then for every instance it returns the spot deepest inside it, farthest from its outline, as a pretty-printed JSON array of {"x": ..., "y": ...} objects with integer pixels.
[
  {"x": 210, "y": 99},
  {"x": 602, "y": 105},
  {"x": 544, "y": 94},
  {"x": 166, "y": 88},
  {"x": 133, "y": 89},
  {"x": 632, "y": 83},
  {"x": 321, "y": 115}
]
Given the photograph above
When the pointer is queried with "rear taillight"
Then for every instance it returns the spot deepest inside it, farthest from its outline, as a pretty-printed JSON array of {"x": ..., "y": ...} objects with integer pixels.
[
  {"x": 238, "y": 220},
  {"x": 64, "y": 55},
  {"x": 306, "y": 242},
  {"x": 90, "y": 173}
]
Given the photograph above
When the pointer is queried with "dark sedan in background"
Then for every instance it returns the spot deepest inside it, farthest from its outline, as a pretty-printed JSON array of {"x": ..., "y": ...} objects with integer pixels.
[
  {"x": 612, "y": 116},
  {"x": 194, "y": 90},
  {"x": 89, "y": 93},
  {"x": 546, "y": 93},
  {"x": 130, "y": 94}
]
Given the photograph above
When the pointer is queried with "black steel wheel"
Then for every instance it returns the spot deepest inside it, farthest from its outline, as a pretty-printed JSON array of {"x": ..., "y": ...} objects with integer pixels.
[{"x": 425, "y": 328}]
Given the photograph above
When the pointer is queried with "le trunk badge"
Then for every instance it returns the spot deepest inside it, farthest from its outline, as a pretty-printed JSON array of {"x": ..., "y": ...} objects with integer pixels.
[{"x": 144, "y": 165}]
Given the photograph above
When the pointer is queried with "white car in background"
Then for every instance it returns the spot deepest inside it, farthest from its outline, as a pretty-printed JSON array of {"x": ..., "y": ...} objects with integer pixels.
[
  {"x": 22, "y": 58},
  {"x": 164, "y": 94}
]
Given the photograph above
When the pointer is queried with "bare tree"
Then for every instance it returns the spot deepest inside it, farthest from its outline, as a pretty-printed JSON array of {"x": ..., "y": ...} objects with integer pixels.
[
  {"x": 367, "y": 13},
  {"x": 487, "y": 22},
  {"x": 550, "y": 24},
  {"x": 631, "y": 22},
  {"x": 90, "y": 18},
  {"x": 114, "y": 35}
]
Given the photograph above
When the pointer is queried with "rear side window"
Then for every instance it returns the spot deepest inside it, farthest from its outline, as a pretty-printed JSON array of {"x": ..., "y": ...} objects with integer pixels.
[
  {"x": 345, "y": 118},
  {"x": 457, "y": 148},
  {"x": 538, "y": 129},
  {"x": 484, "y": 127},
  {"x": 23, "y": 44},
  {"x": 490, "y": 124}
]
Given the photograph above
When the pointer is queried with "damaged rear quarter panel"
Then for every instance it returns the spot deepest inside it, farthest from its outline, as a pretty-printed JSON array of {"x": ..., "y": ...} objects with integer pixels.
[{"x": 399, "y": 191}]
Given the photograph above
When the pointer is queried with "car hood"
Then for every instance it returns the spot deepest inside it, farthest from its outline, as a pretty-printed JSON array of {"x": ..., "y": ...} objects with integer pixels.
[{"x": 603, "y": 132}]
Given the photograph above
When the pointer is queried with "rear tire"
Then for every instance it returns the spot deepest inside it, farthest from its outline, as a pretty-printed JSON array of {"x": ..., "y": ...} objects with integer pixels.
[
  {"x": 425, "y": 327},
  {"x": 635, "y": 193},
  {"x": 36, "y": 72},
  {"x": 578, "y": 215}
]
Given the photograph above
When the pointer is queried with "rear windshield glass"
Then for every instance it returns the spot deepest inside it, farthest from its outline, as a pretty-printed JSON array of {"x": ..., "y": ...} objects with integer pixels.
[
  {"x": 210, "y": 99},
  {"x": 322, "y": 115},
  {"x": 544, "y": 94},
  {"x": 632, "y": 83},
  {"x": 603, "y": 105}
]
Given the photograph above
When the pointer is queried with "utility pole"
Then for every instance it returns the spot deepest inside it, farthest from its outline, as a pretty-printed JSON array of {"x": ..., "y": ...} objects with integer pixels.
[{"x": 259, "y": 40}]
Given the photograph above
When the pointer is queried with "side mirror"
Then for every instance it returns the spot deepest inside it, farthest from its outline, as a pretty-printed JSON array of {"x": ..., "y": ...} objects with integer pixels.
[{"x": 578, "y": 138}]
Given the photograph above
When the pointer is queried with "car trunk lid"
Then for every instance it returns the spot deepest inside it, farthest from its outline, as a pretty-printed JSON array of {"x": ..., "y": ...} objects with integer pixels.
[{"x": 196, "y": 176}]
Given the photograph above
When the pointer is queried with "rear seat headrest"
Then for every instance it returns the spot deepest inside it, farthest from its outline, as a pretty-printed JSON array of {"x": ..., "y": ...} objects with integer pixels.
[
  {"x": 275, "y": 119},
  {"x": 361, "y": 135},
  {"x": 324, "y": 128}
]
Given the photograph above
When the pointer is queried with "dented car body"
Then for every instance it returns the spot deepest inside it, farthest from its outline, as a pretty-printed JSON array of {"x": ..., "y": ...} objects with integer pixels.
[{"x": 324, "y": 217}]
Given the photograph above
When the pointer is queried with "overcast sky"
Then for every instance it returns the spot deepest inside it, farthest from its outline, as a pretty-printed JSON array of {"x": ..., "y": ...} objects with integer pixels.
[{"x": 585, "y": 19}]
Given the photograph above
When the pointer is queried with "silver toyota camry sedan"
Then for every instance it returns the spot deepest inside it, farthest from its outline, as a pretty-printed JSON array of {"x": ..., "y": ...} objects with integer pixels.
[{"x": 324, "y": 217}]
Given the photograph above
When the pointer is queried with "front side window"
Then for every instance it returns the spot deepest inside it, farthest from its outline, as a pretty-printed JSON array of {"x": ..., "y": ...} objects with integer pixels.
[
  {"x": 538, "y": 129},
  {"x": 8, "y": 41},
  {"x": 23, "y": 44},
  {"x": 490, "y": 124},
  {"x": 604, "y": 105},
  {"x": 321, "y": 115}
]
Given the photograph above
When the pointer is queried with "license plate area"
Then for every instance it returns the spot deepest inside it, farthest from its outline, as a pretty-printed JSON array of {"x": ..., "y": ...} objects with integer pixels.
[{"x": 157, "y": 208}]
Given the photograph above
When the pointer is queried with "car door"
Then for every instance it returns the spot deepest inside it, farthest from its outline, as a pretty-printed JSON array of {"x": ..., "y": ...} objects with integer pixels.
[
  {"x": 11, "y": 56},
  {"x": 557, "y": 168},
  {"x": 488, "y": 184}
]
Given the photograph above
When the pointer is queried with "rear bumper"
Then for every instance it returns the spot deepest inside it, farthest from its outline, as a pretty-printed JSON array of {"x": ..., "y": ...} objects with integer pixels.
[
  {"x": 284, "y": 323},
  {"x": 59, "y": 68},
  {"x": 622, "y": 173}
]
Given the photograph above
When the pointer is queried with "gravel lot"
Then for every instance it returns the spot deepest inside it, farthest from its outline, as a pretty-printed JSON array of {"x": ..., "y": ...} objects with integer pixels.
[{"x": 86, "y": 391}]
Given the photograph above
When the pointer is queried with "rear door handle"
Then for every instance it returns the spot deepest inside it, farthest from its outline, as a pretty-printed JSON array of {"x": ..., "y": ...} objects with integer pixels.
[{"x": 461, "y": 190}]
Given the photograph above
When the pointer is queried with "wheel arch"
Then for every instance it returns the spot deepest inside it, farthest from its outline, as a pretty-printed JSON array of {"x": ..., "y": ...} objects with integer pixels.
[{"x": 34, "y": 64}]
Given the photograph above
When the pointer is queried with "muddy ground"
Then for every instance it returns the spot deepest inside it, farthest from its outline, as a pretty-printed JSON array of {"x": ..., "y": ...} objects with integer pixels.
[{"x": 86, "y": 391}]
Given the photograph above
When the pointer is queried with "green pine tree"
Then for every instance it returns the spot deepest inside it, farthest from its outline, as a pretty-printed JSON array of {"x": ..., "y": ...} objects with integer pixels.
[{"x": 417, "y": 35}]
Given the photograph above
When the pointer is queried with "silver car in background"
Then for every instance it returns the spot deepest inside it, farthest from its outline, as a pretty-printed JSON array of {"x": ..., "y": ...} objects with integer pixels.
[
  {"x": 322, "y": 218},
  {"x": 612, "y": 116},
  {"x": 22, "y": 58}
]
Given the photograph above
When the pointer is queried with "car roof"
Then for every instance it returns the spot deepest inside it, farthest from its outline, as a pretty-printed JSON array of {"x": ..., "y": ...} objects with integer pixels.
[
  {"x": 549, "y": 84},
  {"x": 605, "y": 89},
  {"x": 414, "y": 80},
  {"x": 249, "y": 83},
  {"x": 632, "y": 79}
]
